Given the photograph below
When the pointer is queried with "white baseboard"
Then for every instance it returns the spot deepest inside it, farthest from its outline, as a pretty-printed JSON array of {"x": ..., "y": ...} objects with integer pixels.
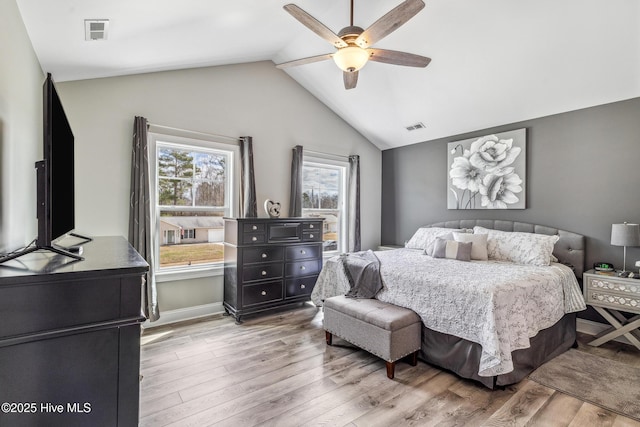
[
  {"x": 182, "y": 314},
  {"x": 590, "y": 327}
]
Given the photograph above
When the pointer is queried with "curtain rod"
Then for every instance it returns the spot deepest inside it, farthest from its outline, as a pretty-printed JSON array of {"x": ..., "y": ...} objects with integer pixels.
[
  {"x": 211, "y": 135},
  {"x": 304, "y": 150}
]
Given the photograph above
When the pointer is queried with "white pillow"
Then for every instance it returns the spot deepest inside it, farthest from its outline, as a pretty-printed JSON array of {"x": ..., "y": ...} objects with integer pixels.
[
  {"x": 425, "y": 238},
  {"x": 478, "y": 247},
  {"x": 518, "y": 247}
]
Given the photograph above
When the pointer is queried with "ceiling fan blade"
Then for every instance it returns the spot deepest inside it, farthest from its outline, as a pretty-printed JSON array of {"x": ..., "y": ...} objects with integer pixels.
[
  {"x": 302, "y": 61},
  {"x": 314, "y": 25},
  {"x": 398, "y": 58},
  {"x": 350, "y": 79},
  {"x": 390, "y": 22}
]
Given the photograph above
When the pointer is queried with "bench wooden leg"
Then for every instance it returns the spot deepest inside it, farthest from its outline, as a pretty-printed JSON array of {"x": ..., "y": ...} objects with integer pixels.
[
  {"x": 391, "y": 369},
  {"x": 413, "y": 358},
  {"x": 328, "y": 337}
]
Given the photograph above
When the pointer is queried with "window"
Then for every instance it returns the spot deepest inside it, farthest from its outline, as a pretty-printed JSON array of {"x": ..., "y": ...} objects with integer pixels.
[
  {"x": 194, "y": 191},
  {"x": 324, "y": 195}
]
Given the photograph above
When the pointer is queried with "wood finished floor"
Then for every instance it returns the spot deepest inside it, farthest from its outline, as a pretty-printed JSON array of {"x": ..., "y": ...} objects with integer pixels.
[{"x": 276, "y": 370}]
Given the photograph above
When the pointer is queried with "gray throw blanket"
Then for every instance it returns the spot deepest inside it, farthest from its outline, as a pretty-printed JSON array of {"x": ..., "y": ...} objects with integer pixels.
[{"x": 362, "y": 269}]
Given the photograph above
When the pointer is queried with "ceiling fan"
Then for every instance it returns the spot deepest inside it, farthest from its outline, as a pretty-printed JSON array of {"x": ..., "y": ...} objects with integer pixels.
[{"x": 353, "y": 42}]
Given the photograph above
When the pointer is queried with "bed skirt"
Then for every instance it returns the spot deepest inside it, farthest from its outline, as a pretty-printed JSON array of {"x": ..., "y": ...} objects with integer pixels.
[{"x": 463, "y": 357}]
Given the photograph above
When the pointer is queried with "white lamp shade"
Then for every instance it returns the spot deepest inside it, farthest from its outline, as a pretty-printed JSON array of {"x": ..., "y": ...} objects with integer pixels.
[
  {"x": 351, "y": 58},
  {"x": 625, "y": 234}
]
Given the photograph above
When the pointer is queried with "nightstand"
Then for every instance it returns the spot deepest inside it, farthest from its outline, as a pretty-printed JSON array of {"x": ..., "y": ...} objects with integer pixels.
[{"x": 609, "y": 295}]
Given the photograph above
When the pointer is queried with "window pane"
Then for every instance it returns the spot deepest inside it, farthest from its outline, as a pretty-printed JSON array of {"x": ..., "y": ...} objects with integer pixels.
[
  {"x": 321, "y": 188},
  {"x": 188, "y": 239},
  {"x": 321, "y": 197},
  {"x": 209, "y": 193},
  {"x": 210, "y": 166},
  {"x": 175, "y": 163},
  {"x": 174, "y": 192}
]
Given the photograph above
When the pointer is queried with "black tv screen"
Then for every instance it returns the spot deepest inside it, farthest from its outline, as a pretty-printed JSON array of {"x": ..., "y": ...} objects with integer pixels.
[{"x": 58, "y": 201}]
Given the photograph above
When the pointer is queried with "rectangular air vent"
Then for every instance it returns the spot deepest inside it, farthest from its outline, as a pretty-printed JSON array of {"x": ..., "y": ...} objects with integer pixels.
[
  {"x": 416, "y": 126},
  {"x": 96, "y": 29}
]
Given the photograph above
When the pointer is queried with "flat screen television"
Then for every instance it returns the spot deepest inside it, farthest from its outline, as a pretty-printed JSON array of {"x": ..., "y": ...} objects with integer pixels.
[
  {"x": 56, "y": 210},
  {"x": 55, "y": 180}
]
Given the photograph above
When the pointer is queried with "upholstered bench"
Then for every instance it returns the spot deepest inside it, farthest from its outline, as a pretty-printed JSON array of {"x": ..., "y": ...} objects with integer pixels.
[{"x": 385, "y": 330}]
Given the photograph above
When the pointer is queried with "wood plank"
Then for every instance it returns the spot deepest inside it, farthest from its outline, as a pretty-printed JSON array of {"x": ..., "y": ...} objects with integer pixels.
[
  {"x": 518, "y": 410},
  {"x": 593, "y": 416},
  {"x": 385, "y": 408},
  {"x": 558, "y": 411}
]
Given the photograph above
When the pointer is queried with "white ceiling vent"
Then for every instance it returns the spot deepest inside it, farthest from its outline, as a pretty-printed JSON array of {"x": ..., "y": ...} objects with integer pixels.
[
  {"x": 416, "y": 126},
  {"x": 96, "y": 29}
]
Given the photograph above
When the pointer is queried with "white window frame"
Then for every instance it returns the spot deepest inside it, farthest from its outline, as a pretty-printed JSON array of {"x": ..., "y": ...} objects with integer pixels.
[
  {"x": 343, "y": 198},
  {"x": 232, "y": 188}
]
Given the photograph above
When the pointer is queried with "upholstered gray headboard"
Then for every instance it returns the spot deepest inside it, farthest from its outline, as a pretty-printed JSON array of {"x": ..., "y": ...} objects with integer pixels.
[{"x": 569, "y": 249}]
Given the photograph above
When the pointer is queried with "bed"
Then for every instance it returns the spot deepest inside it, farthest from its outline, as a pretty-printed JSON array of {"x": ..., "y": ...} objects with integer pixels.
[{"x": 491, "y": 320}]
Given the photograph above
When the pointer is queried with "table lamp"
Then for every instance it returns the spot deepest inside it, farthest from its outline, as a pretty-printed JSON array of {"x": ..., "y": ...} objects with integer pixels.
[{"x": 625, "y": 235}]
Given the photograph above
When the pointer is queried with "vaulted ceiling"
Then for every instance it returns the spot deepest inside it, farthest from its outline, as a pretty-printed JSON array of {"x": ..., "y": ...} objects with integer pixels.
[{"x": 493, "y": 61}]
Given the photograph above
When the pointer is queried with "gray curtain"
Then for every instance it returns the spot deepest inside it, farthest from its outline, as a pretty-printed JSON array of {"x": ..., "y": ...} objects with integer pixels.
[
  {"x": 248, "y": 204},
  {"x": 295, "y": 196},
  {"x": 140, "y": 230},
  {"x": 354, "y": 204}
]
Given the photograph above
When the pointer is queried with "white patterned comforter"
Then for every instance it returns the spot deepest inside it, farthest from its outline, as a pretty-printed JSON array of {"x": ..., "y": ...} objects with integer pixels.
[{"x": 496, "y": 304}]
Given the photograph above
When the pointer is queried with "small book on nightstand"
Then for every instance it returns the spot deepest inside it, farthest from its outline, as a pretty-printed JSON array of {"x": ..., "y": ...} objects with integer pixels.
[{"x": 606, "y": 273}]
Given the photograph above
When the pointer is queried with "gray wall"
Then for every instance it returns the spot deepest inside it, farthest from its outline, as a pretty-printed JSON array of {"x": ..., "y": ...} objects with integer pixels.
[
  {"x": 253, "y": 99},
  {"x": 21, "y": 81},
  {"x": 583, "y": 170}
]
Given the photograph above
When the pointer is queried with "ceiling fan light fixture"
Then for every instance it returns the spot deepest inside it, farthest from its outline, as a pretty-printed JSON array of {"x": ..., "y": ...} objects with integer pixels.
[{"x": 351, "y": 58}]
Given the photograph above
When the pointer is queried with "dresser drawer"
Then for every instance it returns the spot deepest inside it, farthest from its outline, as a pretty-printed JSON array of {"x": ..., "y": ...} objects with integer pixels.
[
  {"x": 264, "y": 254},
  {"x": 261, "y": 293},
  {"x": 253, "y": 228},
  {"x": 312, "y": 226},
  {"x": 299, "y": 287},
  {"x": 302, "y": 268},
  {"x": 262, "y": 272},
  {"x": 312, "y": 236},
  {"x": 627, "y": 287},
  {"x": 303, "y": 252},
  {"x": 254, "y": 238}
]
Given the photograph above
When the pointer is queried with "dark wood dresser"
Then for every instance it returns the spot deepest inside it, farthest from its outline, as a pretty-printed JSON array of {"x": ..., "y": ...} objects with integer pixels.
[
  {"x": 70, "y": 337},
  {"x": 270, "y": 263}
]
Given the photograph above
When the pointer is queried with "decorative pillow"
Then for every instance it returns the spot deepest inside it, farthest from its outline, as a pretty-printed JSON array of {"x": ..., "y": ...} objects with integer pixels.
[
  {"x": 479, "y": 248},
  {"x": 451, "y": 249},
  {"x": 425, "y": 237},
  {"x": 518, "y": 247}
]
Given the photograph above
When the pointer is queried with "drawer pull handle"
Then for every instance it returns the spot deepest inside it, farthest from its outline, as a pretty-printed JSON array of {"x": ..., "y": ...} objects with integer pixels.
[
  {"x": 263, "y": 293},
  {"x": 264, "y": 255},
  {"x": 264, "y": 273},
  {"x": 302, "y": 286},
  {"x": 302, "y": 267},
  {"x": 311, "y": 226},
  {"x": 303, "y": 252},
  {"x": 254, "y": 227},
  {"x": 311, "y": 236},
  {"x": 254, "y": 239}
]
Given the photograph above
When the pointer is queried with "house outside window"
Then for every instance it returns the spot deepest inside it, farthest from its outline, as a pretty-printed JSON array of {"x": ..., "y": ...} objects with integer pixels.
[
  {"x": 324, "y": 192},
  {"x": 194, "y": 190}
]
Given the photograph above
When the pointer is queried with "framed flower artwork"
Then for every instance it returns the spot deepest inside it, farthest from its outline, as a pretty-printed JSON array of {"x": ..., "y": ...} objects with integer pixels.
[{"x": 488, "y": 172}]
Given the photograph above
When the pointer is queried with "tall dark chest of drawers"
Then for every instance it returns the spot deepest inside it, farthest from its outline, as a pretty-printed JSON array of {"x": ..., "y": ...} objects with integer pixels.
[
  {"x": 270, "y": 263},
  {"x": 70, "y": 337}
]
